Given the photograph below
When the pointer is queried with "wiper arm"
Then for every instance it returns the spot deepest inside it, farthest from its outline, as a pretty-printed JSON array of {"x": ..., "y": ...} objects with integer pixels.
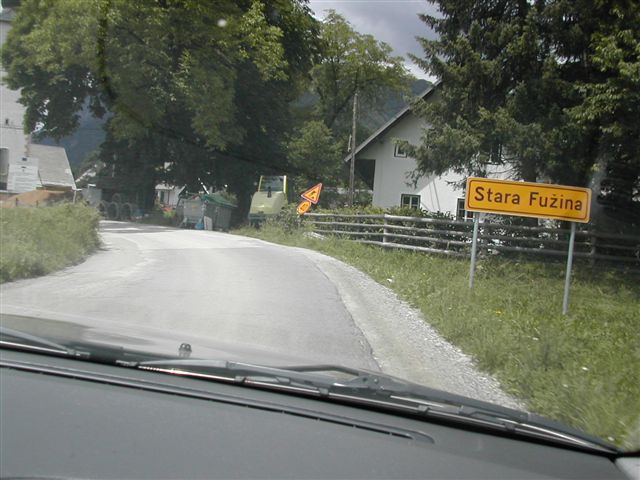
[
  {"x": 26, "y": 341},
  {"x": 323, "y": 380},
  {"x": 373, "y": 389}
]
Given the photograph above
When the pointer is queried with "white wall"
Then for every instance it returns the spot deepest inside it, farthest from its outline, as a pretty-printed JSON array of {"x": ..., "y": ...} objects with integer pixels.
[
  {"x": 392, "y": 174},
  {"x": 12, "y": 136}
]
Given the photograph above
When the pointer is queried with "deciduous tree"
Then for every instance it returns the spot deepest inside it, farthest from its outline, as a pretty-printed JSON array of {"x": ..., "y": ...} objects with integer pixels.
[{"x": 212, "y": 78}]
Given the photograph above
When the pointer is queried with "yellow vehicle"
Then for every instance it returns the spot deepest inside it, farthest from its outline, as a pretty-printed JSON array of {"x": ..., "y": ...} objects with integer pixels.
[{"x": 269, "y": 199}]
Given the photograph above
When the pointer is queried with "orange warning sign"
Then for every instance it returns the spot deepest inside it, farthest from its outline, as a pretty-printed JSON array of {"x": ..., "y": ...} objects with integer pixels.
[
  {"x": 313, "y": 194},
  {"x": 303, "y": 207}
]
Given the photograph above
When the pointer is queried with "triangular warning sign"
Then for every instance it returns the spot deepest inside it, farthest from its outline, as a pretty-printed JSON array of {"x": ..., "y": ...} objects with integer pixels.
[{"x": 313, "y": 194}]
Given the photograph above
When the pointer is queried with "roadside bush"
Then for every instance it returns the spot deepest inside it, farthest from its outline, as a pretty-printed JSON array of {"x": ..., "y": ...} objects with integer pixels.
[
  {"x": 166, "y": 217},
  {"x": 37, "y": 241},
  {"x": 288, "y": 219}
]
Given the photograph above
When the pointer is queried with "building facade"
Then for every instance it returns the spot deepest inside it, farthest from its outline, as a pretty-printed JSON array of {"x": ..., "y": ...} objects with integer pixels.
[{"x": 393, "y": 184}]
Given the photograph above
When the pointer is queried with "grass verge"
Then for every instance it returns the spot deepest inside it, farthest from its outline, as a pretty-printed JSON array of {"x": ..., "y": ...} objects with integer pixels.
[
  {"x": 37, "y": 241},
  {"x": 582, "y": 369}
]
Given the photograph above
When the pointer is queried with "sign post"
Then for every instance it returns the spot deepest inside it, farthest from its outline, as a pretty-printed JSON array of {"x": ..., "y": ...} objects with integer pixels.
[
  {"x": 567, "y": 277},
  {"x": 526, "y": 199},
  {"x": 474, "y": 246}
]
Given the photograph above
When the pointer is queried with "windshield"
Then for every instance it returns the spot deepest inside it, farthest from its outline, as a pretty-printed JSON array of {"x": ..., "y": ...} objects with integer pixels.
[
  {"x": 462, "y": 190},
  {"x": 271, "y": 184}
]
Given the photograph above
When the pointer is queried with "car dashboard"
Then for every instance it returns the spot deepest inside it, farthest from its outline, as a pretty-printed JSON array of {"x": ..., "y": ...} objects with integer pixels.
[{"x": 68, "y": 418}]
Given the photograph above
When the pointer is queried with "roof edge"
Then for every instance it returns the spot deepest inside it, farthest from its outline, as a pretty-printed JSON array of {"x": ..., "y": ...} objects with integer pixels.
[{"x": 399, "y": 116}]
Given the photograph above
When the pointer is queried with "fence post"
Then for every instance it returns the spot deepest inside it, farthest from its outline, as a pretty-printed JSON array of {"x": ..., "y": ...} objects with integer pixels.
[
  {"x": 384, "y": 228},
  {"x": 592, "y": 252}
]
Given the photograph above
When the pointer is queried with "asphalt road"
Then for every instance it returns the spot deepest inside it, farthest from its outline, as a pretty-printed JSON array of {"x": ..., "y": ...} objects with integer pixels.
[{"x": 251, "y": 295}]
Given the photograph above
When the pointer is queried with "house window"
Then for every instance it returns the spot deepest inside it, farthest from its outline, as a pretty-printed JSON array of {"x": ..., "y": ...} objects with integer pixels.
[
  {"x": 399, "y": 150},
  {"x": 461, "y": 212},
  {"x": 410, "y": 201}
]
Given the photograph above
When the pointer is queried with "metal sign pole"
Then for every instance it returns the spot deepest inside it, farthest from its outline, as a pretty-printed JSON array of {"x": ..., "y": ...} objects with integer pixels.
[
  {"x": 474, "y": 246},
  {"x": 567, "y": 279}
]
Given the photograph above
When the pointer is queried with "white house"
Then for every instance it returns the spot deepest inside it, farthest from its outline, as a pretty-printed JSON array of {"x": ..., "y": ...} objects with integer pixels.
[
  {"x": 392, "y": 183},
  {"x": 13, "y": 141},
  {"x": 25, "y": 166},
  {"x": 168, "y": 195}
]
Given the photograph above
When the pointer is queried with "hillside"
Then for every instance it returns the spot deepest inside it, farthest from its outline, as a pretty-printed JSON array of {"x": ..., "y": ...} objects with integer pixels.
[{"x": 88, "y": 137}]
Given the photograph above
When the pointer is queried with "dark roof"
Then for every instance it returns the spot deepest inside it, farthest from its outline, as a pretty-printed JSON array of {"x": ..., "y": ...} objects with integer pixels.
[
  {"x": 387, "y": 126},
  {"x": 53, "y": 166},
  {"x": 7, "y": 14}
]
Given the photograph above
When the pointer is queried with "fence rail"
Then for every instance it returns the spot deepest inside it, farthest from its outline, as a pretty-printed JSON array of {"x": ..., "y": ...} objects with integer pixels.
[{"x": 453, "y": 237}]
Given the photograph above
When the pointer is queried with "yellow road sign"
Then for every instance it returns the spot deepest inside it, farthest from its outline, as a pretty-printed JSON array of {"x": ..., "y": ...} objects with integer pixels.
[
  {"x": 526, "y": 199},
  {"x": 303, "y": 207},
  {"x": 313, "y": 194}
]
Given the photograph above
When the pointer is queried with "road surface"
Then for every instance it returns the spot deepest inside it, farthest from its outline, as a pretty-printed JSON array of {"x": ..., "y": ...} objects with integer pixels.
[{"x": 244, "y": 292}]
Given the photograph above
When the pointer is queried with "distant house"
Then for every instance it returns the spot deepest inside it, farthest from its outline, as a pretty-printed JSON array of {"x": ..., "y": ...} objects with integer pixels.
[
  {"x": 392, "y": 167},
  {"x": 168, "y": 195},
  {"x": 25, "y": 166}
]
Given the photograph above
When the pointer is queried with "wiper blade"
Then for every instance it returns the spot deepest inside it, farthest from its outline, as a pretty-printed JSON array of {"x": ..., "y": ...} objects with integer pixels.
[
  {"x": 378, "y": 390},
  {"x": 243, "y": 373},
  {"x": 10, "y": 338}
]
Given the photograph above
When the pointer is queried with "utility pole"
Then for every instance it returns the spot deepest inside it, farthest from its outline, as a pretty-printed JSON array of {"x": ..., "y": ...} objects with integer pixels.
[{"x": 352, "y": 170}]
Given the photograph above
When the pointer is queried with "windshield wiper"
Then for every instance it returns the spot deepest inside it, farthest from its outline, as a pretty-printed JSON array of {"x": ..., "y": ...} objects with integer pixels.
[
  {"x": 15, "y": 339},
  {"x": 385, "y": 390},
  {"x": 317, "y": 384},
  {"x": 353, "y": 386}
]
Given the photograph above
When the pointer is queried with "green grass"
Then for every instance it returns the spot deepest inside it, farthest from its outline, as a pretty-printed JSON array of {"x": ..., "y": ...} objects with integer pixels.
[
  {"x": 583, "y": 369},
  {"x": 37, "y": 241}
]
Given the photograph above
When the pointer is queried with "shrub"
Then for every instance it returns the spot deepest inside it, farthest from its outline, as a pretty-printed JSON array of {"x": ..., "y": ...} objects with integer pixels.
[{"x": 37, "y": 241}]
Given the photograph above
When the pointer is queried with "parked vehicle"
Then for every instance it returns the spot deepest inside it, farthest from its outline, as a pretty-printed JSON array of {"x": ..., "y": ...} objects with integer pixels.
[{"x": 269, "y": 199}]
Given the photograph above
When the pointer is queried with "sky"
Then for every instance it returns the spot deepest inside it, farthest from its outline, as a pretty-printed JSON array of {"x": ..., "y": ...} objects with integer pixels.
[{"x": 394, "y": 22}]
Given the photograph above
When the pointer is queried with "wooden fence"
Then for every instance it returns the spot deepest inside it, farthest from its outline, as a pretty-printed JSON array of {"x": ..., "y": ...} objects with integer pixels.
[{"x": 453, "y": 237}]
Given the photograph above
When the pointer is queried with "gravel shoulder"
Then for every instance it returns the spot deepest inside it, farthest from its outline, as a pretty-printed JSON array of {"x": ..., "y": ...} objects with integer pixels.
[{"x": 402, "y": 341}]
